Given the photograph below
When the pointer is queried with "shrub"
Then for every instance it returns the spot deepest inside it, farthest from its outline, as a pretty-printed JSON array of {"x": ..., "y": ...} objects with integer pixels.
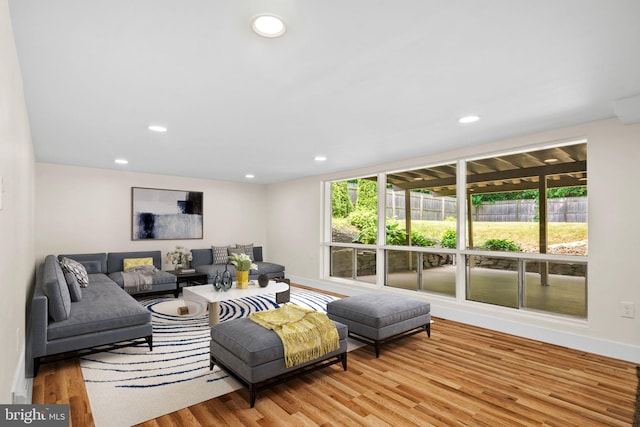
[
  {"x": 341, "y": 205},
  {"x": 449, "y": 239},
  {"x": 395, "y": 235},
  {"x": 363, "y": 218},
  {"x": 367, "y": 198},
  {"x": 419, "y": 240},
  {"x": 501, "y": 245},
  {"x": 367, "y": 236}
]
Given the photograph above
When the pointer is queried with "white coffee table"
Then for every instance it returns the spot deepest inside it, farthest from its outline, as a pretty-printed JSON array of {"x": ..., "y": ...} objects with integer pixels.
[{"x": 213, "y": 297}]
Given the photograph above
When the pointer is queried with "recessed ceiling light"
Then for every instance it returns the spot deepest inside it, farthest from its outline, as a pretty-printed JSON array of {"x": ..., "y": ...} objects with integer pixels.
[
  {"x": 249, "y": 176},
  {"x": 157, "y": 128},
  {"x": 468, "y": 119},
  {"x": 122, "y": 161},
  {"x": 551, "y": 160},
  {"x": 268, "y": 26},
  {"x": 320, "y": 158}
]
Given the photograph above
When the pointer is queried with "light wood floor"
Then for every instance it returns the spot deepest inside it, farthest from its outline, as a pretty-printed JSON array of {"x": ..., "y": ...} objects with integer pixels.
[{"x": 461, "y": 376}]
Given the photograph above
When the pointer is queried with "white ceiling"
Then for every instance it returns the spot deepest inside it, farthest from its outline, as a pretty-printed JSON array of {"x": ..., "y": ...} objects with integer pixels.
[{"x": 362, "y": 82}]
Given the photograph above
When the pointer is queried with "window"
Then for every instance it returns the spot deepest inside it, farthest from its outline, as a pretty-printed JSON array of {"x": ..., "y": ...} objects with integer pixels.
[
  {"x": 421, "y": 212},
  {"x": 354, "y": 222},
  {"x": 524, "y": 242},
  {"x": 528, "y": 203},
  {"x": 531, "y": 202},
  {"x": 421, "y": 271}
]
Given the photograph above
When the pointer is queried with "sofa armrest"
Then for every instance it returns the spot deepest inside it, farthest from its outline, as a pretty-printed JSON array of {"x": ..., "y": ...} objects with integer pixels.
[{"x": 39, "y": 323}]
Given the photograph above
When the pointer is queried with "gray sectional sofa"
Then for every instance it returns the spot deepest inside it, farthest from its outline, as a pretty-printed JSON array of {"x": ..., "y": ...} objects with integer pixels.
[
  {"x": 203, "y": 262},
  {"x": 101, "y": 313}
]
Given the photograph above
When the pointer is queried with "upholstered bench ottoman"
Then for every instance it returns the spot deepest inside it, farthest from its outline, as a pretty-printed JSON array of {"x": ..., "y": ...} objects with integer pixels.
[
  {"x": 375, "y": 318},
  {"x": 255, "y": 355}
]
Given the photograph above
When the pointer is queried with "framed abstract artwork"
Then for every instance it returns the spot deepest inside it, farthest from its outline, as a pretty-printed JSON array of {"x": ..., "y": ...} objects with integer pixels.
[{"x": 165, "y": 214}]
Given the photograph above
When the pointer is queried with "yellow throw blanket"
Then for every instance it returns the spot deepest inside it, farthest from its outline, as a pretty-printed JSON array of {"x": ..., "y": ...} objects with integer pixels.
[{"x": 306, "y": 334}]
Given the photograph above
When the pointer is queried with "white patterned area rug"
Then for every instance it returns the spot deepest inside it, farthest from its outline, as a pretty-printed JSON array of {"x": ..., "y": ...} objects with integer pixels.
[{"x": 131, "y": 385}]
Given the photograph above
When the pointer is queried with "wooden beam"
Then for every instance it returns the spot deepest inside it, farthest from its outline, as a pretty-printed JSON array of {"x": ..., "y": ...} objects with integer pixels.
[{"x": 556, "y": 169}]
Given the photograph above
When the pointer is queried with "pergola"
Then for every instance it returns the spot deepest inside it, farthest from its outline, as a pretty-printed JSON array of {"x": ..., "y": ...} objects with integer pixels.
[{"x": 555, "y": 167}]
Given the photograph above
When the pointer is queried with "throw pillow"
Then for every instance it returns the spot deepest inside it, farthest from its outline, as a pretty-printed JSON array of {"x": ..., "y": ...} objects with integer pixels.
[
  {"x": 77, "y": 269},
  {"x": 74, "y": 287},
  {"x": 246, "y": 249},
  {"x": 235, "y": 251},
  {"x": 220, "y": 254},
  {"x": 129, "y": 263}
]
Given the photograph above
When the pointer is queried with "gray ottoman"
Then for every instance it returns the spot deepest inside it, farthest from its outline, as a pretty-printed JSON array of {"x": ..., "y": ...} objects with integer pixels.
[
  {"x": 376, "y": 318},
  {"x": 255, "y": 355}
]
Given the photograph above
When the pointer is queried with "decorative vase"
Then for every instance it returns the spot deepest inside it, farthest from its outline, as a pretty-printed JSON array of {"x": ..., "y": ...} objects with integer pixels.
[
  {"x": 242, "y": 277},
  {"x": 263, "y": 280},
  {"x": 217, "y": 281},
  {"x": 226, "y": 279}
]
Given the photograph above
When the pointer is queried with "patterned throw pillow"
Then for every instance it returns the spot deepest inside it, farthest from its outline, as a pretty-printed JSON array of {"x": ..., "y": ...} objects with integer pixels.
[
  {"x": 246, "y": 249},
  {"x": 77, "y": 269},
  {"x": 129, "y": 263},
  {"x": 220, "y": 254}
]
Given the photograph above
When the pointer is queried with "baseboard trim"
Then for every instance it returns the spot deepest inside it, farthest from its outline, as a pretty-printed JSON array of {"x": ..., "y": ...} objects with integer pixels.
[
  {"x": 500, "y": 323},
  {"x": 22, "y": 389}
]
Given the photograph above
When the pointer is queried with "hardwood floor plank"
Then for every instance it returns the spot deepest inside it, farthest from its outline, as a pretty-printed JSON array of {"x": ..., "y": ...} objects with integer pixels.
[{"x": 463, "y": 375}]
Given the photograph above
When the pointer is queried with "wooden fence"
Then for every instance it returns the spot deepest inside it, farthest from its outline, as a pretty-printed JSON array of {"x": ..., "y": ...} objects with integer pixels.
[
  {"x": 566, "y": 209},
  {"x": 425, "y": 207}
]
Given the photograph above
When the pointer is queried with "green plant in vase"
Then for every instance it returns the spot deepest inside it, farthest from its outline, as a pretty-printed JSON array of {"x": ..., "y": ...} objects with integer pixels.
[{"x": 242, "y": 262}]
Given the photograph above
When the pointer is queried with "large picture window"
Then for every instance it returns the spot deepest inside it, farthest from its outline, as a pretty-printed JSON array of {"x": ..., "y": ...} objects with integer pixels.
[
  {"x": 354, "y": 221},
  {"x": 522, "y": 219},
  {"x": 421, "y": 213}
]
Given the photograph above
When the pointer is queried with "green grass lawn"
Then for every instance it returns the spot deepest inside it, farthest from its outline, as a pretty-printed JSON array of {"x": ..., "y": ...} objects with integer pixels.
[{"x": 523, "y": 233}]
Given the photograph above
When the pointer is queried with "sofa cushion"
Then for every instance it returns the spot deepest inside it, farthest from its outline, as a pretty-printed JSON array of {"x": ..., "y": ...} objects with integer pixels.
[
  {"x": 93, "y": 263},
  {"x": 129, "y": 263},
  {"x": 267, "y": 268},
  {"x": 220, "y": 254},
  {"x": 73, "y": 266},
  {"x": 246, "y": 249},
  {"x": 98, "y": 279},
  {"x": 55, "y": 287},
  {"x": 257, "y": 254},
  {"x": 74, "y": 287},
  {"x": 92, "y": 267},
  {"x": 103, "y": 307},
  {"x": 158, "y": 278}
]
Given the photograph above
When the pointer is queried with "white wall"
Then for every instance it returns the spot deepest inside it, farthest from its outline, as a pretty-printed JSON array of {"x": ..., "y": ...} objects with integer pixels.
[
  {"x": 613, "y": 155},
  {"x": 17, "y": 268},
  {"x": 83, "y": 210}
]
